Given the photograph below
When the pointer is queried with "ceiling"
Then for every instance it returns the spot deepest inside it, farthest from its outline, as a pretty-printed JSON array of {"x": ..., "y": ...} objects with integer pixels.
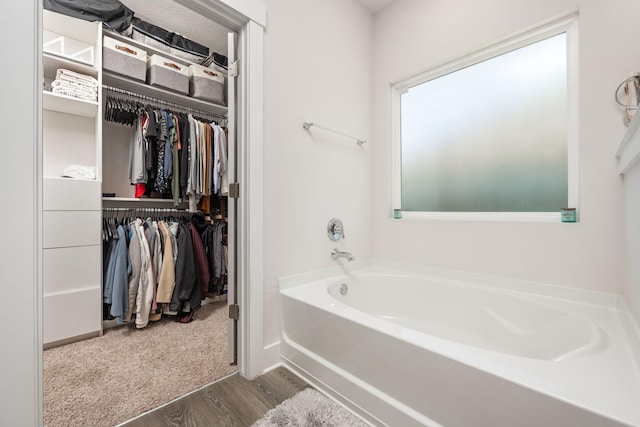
[
  {"x": 376, "y": 5},
  {"x": 172, "y": 16},
  {"x": 175, "y": 17}
]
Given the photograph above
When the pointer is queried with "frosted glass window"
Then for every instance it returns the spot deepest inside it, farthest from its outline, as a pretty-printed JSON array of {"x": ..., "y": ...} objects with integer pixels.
[{"x": 491, "y": 137}]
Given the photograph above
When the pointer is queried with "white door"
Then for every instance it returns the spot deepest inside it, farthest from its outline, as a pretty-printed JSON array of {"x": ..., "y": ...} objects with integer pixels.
[{"x": 232, "y": 267}]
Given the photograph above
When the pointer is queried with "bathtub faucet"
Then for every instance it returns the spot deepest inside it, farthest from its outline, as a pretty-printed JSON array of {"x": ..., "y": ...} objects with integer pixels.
[{"x": 335, "y": 254}]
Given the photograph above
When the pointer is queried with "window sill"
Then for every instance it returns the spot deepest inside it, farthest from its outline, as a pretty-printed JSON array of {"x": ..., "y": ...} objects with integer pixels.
[{"x": 486, "y": 216}]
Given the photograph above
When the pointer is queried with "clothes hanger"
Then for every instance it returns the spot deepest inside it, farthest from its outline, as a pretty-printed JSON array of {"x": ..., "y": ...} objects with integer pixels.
[{"x": 105, "y": 236}]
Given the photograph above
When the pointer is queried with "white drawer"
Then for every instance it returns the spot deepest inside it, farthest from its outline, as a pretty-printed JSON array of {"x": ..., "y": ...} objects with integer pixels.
[
  {"x": 66, "y": 194},
  {"x": 69, "y": 269},
  {"x": 71, "y": 314},
  {"x": 71, "y": 228}
]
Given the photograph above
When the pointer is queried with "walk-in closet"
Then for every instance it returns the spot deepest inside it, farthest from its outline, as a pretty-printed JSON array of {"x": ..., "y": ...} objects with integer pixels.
[{"x": 139, "y": 169}]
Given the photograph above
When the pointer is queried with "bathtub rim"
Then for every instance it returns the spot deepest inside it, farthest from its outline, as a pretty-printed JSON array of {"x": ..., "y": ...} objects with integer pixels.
[
  {"x": 617, "y": 302},
  {"x": 463, "y": 277}
]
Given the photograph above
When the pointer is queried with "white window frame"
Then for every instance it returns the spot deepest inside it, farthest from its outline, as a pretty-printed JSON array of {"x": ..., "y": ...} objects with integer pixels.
[{"x": 566, "y": 24}]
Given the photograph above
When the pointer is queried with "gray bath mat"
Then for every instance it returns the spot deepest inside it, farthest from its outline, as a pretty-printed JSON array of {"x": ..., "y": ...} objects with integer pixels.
[{"x": 309, "y": 408}]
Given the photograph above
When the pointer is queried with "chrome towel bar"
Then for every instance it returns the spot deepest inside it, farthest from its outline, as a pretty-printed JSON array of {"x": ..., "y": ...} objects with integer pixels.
[{"x": 307, "y": 125}]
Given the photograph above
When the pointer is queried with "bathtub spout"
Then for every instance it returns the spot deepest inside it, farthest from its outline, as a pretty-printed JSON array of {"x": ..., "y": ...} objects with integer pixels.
[{"x": 335, "y": 254}]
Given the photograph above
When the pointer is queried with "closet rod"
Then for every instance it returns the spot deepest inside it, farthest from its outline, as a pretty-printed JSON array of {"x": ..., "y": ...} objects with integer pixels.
[
  {"x": 154, "y": 210},
  {"x": 162, "y": 102},
  {"x": 145, "y": 209},
  {"x": 307, "y": 125},
  {"x": 145, "y": 212}
]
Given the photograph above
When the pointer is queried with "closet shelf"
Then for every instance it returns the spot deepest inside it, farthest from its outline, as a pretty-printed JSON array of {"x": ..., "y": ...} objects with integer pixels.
[
  {"x": 149, "y": 49},
  {"x": 51, "y": 63},
  {"x": 143, "y": 201},
  {"x": 136, "y": 200},
  {"x": 122, "y": 82},
  {"x": 66, "y": 104}
]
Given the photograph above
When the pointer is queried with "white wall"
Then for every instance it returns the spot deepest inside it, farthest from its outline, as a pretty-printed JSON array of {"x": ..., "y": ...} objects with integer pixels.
[
  {"x": 632, "y": 284},
  {"x": 317, "y": 68},
  {"x": 415, "y": 35},
  {"x": 19, "y": 320}
]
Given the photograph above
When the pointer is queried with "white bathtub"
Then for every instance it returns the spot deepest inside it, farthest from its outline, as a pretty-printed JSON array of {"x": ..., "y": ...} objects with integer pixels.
[{"x": 416, "y": 346}]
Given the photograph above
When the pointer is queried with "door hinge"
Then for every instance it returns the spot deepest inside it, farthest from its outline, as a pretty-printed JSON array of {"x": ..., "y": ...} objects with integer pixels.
[
  {"x": 234, "y": 190},
  {"x": 234, "y": 311},
  {"x": 233, "y": 68}
]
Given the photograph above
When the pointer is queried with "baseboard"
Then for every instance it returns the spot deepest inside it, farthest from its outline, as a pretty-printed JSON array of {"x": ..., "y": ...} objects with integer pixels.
[
  {"x": 271, "y": 357},
  {"x": 66, "y": 341}
]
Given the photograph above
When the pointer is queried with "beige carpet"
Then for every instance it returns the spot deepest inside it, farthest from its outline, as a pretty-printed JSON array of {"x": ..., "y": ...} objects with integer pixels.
[{"x": 107, "y": 380}]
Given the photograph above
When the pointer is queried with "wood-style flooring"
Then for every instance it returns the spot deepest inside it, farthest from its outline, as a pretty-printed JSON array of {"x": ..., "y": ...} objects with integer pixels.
[{"x": 233, "y": 401}]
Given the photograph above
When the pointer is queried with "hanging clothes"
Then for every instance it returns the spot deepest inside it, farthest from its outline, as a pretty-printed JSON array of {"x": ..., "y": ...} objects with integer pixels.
[
  {"x": 116, "y": 292},
  {"x": 213, "y": 236},
  {"x": 135, "y": 258},
  {"x": 215, "y": 169},
  {"x": 193, "y": 175},
  {"x": 186, "y": 295},
  {"x": 224, "y": 172},
  {"x": 185, "y": 150},
  {"x": 155, "y": 248},
  {"x": 145, "y": 292},
  {"x": 150, "y": 134},
  {"x": 200, "y": 258},
  {"x": 154, "y": 268},
  {"x": 161, "y": 184},
  {"x": 219, "y": 262},
  {"x": 175, "y": 174},
  {"x": 137, "y": 169},
  {"x": 173, "y": 154},
  {"x": 167, "y": 279}
]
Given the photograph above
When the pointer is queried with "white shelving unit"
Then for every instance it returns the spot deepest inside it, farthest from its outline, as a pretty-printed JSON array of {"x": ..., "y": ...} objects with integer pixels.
[{"x": 72, "y": 134}]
